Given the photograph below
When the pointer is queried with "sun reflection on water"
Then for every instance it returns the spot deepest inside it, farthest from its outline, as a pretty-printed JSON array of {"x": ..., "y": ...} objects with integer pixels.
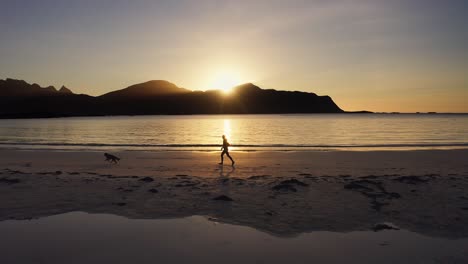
[{"x": 227, "y": 130}]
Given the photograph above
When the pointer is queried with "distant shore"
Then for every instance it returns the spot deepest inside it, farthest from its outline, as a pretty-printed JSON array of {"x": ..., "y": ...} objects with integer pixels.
[
  {"x": 282, "y": 193},
  {"x": 41, "y": 116}
]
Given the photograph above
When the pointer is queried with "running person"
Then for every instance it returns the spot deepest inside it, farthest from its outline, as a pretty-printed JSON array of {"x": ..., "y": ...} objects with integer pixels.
[{"x": 225, "y": 149}]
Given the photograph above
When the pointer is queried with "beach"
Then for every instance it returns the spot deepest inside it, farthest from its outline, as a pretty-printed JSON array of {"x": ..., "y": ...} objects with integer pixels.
[
  {"x": 285, "y": 194},
  {"x": 282, "y": 193}
]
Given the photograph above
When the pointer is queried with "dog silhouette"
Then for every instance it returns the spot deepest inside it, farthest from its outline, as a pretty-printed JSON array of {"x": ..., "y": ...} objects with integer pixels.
[{"x": 111, "y": 158}]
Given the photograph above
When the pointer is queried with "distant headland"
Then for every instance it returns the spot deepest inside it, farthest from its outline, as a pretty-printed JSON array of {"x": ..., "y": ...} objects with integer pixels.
[{"x": 19, "y": 99}]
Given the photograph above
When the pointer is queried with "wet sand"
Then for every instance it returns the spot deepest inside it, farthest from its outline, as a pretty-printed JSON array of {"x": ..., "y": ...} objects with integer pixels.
[
  {"x": 281, "y": 193},
  {"x": 101, "y": 238}
]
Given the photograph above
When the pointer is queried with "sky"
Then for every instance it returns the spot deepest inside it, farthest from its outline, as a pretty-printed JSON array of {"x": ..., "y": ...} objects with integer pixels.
[{"x": 376, "y": 55}]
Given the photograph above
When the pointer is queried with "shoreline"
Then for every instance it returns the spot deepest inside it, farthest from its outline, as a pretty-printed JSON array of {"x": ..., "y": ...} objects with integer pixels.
[{"x": 234, "y": 149}]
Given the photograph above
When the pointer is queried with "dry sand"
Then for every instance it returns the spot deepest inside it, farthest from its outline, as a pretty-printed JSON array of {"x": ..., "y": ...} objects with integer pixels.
[{"x": 282, "y": 193}]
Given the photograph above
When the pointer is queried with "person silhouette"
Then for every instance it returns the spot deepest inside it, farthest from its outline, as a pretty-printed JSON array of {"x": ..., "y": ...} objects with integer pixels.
[{"x": 225, "y": 149}]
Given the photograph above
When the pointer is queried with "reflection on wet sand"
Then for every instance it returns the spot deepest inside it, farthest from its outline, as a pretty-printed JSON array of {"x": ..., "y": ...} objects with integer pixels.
[{"x": 79, "y": 237}]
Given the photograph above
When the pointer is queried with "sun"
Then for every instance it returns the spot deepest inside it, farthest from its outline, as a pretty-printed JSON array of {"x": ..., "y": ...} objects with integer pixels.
[{"x": 225, "y": 80}]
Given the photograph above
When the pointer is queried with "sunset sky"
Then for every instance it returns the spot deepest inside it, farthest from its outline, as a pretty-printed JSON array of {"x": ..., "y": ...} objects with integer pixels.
[{"x": 378, "y": 55}]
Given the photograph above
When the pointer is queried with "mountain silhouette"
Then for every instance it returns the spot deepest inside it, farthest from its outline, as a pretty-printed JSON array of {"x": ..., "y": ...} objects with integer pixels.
[
  {"x": 150, "y": 88},
  {"x": 18, "y": 99},
  {"x": 11, "y": 87},
  {"x": 65, "y": 90}
]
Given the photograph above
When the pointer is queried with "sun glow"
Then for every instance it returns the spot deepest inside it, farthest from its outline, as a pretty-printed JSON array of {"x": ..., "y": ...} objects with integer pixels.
[
  {"x": 227, "y": 131},
  {"x": 227, "y": 128},
  {"x": 225, "y": 80}
]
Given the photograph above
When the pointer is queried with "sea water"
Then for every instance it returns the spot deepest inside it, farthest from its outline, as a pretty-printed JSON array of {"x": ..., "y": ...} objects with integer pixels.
[{"x": 245, "y": 132}]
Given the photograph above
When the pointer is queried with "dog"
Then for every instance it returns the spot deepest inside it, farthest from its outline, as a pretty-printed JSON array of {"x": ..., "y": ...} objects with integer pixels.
[{"x": 111, "y": 158}]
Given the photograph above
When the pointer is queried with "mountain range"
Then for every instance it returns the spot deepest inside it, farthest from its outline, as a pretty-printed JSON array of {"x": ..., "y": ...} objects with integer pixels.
[{"x": 19, "y": 99}]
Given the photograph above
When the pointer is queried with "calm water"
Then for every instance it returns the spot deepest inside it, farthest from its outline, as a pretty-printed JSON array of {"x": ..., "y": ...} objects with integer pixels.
[{"x": 245, "y": 132}]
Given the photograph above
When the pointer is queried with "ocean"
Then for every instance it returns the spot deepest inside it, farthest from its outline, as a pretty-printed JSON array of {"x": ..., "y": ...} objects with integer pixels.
[{"x": 307, "y": 132}]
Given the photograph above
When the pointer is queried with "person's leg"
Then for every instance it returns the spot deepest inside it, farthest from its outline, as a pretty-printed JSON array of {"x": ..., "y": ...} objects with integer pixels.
[
  {"x": 222, "y": 157},
  {"x": 229, "y": 156}
]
